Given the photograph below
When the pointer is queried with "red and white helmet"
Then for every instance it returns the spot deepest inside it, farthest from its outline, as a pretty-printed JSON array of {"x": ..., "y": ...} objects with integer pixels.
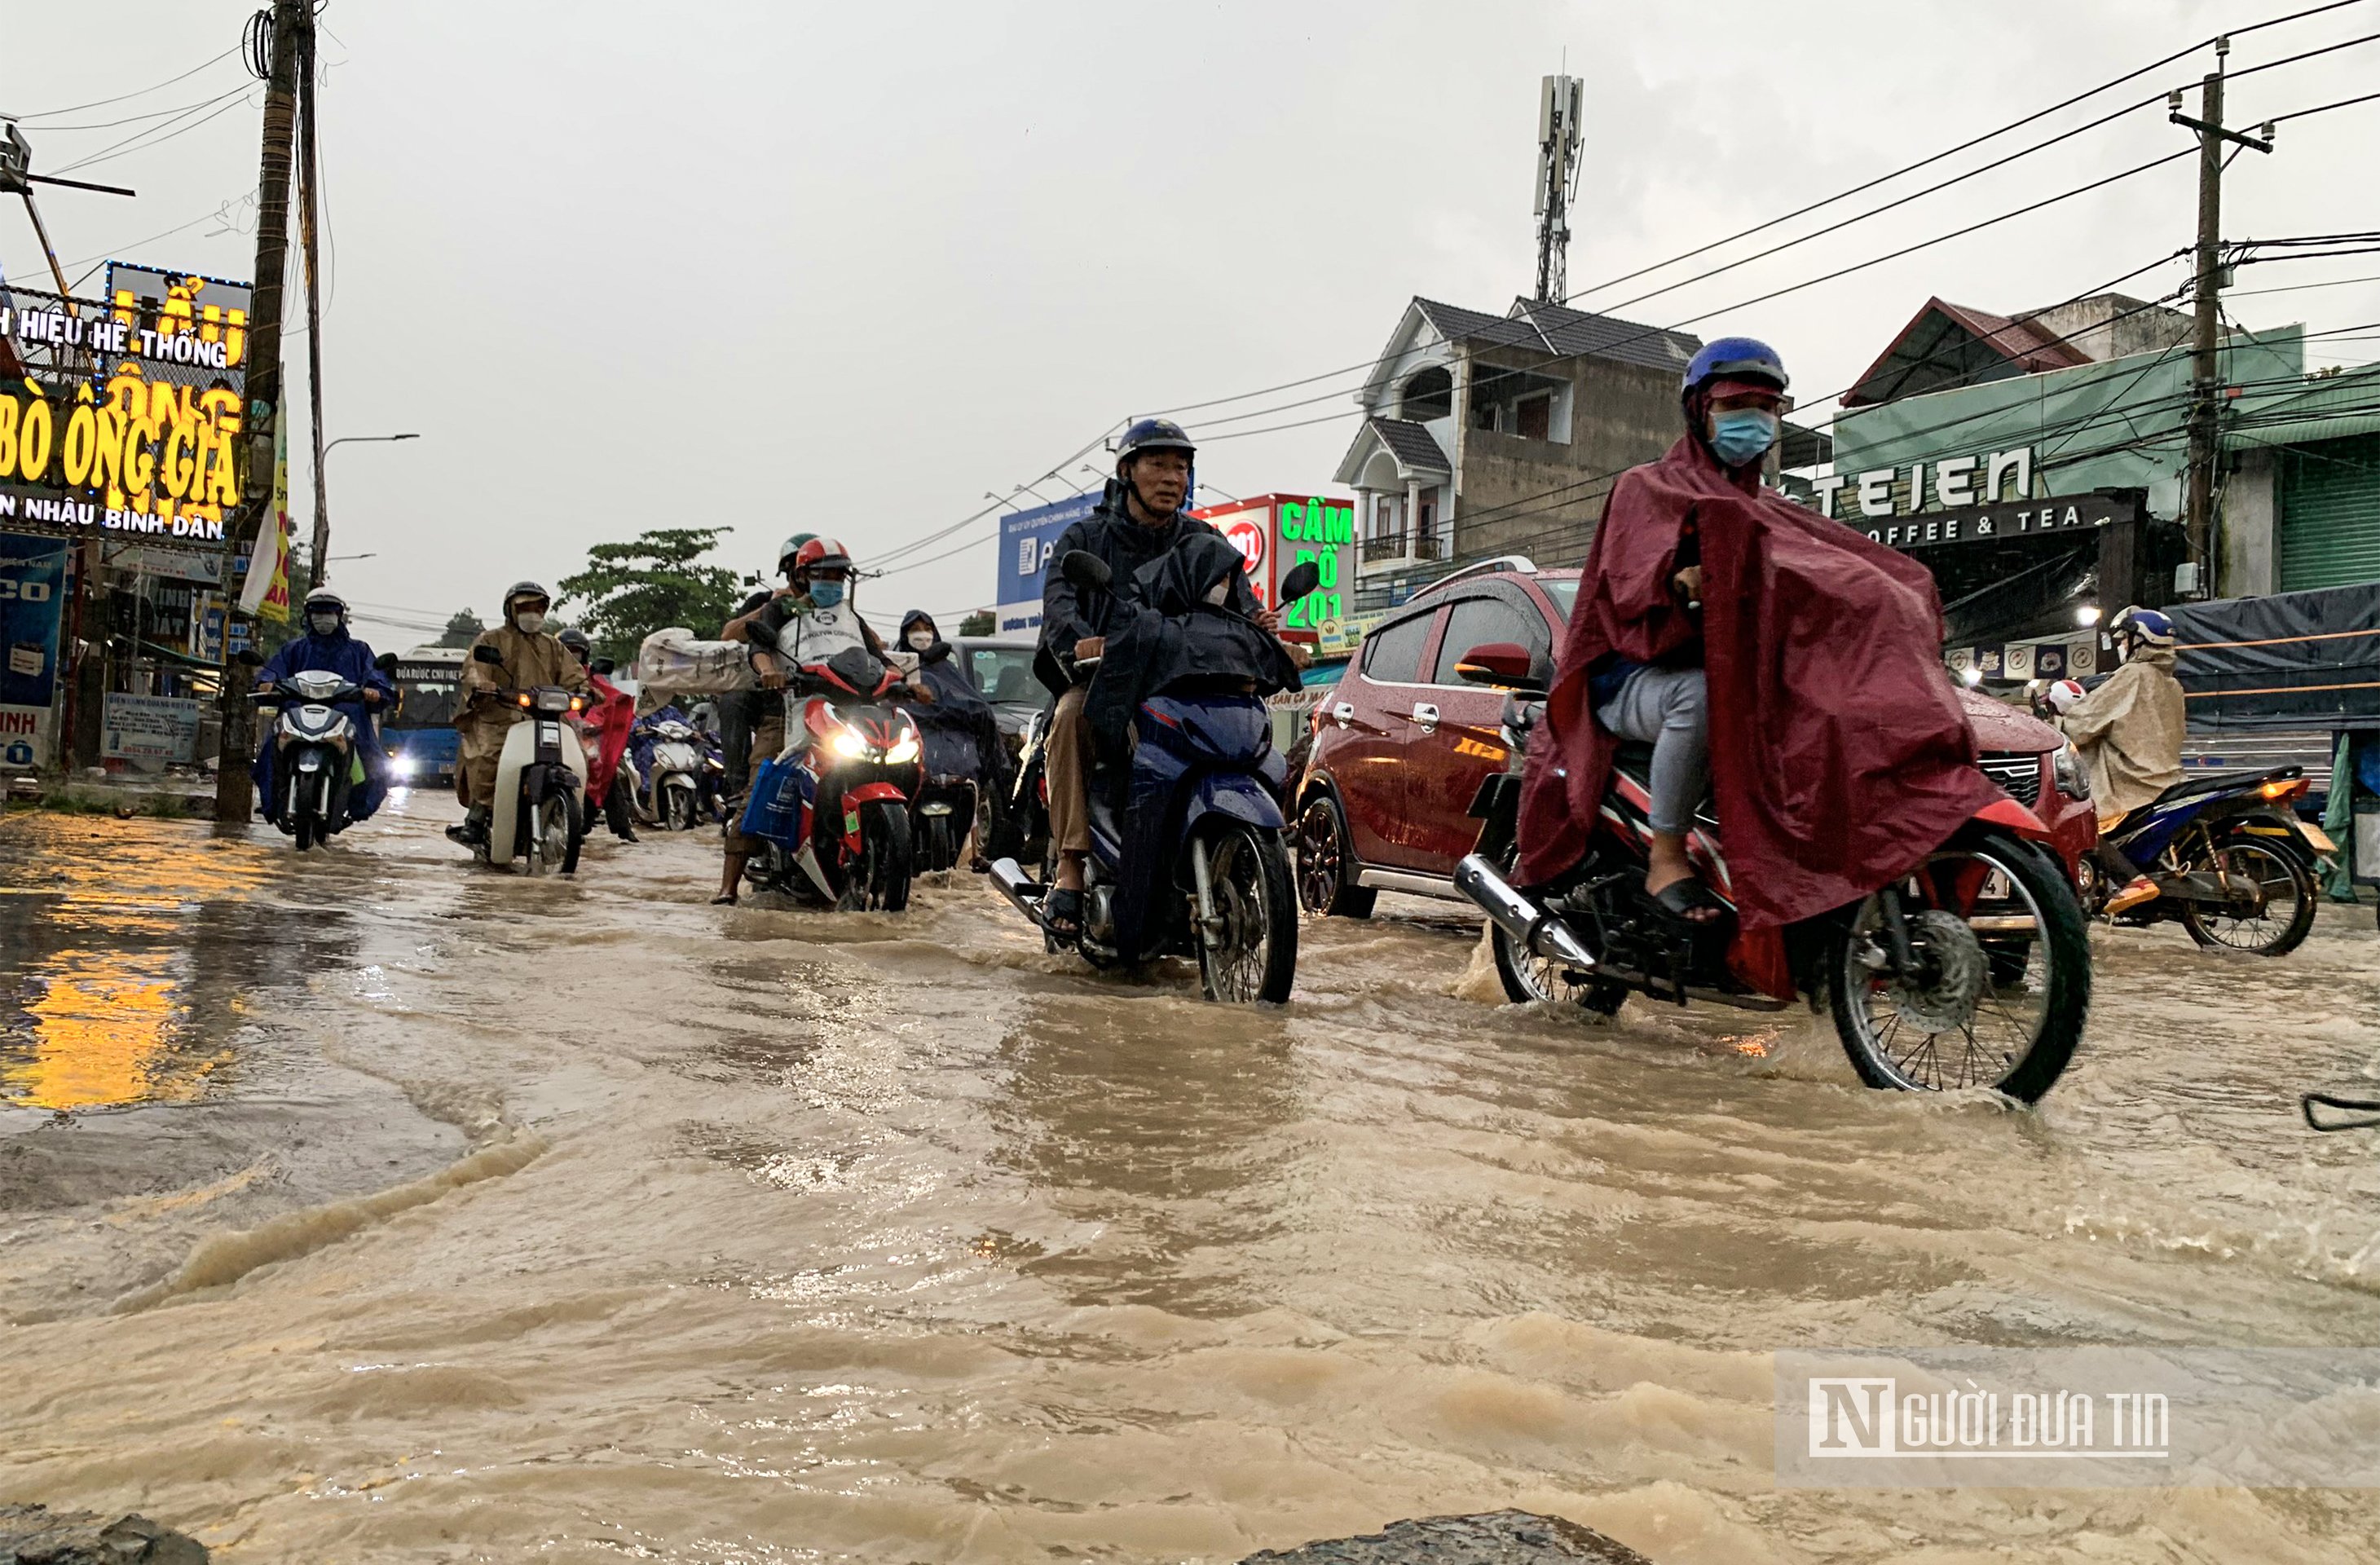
[
  {"x": 820, "y": 552},
  {"x": 2064, "y": 693}
]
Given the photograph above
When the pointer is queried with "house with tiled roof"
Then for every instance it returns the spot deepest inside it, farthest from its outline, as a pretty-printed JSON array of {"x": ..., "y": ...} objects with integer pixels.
[{"x": 1484, "y": 433}]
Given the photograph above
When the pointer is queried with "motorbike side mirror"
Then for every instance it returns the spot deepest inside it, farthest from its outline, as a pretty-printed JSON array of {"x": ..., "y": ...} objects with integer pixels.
[
  {"x": 604, "y": 666},
  {"x": 761, "y": 636},
  {"x": 385, "y": 662},
  {"x": 246, "y": 658},
  {"x": 1085, "y": 571},
  {"x": 938, "y": 652},
  {"x": 1303, "y": 578},
  {"x": 1507, "y": 665},
  {"x": 484, "y": 653}
]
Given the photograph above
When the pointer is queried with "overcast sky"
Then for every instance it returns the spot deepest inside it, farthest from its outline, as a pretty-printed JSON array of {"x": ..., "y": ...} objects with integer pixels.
[{"x": 844, "y": 269}]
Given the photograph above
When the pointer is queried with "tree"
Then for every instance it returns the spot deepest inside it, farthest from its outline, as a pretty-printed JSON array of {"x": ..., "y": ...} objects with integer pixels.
[
  {"x": 979, "y": 623},
  {"x": 632, "y": 590},
  {"x": 462, "y": 629}
]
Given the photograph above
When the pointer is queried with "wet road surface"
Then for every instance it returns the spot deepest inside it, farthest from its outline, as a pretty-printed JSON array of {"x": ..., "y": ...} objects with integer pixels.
[{"x": 368, "y": 1208}]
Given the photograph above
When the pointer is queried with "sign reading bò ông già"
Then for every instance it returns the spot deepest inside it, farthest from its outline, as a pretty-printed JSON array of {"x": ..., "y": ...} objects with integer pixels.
[{"x": 123, "y": 415}]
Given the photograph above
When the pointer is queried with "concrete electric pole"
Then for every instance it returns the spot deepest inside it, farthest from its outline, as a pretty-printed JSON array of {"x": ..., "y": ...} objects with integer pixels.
[
  {"x": 277, "y": 41},
  {"x": 1558, "y": 142},
  {"x": 2206, "y": 337}
]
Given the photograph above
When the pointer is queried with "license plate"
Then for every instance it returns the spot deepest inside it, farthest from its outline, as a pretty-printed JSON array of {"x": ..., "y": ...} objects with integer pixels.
[
  {"x": 1996, "y": 886},
  {"x": 2318, "y": 837}
]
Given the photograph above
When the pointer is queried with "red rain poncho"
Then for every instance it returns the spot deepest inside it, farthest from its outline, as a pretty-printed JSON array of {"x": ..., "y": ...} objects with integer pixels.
[
  {"x": 1840, "y": 757},
  {"x": 608, "y": 719}
]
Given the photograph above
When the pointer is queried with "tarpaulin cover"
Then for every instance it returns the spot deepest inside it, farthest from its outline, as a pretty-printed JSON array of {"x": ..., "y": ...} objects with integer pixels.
[
  {"x": 1840, "y": 754},
  {"x": 2290, "y": 659}
]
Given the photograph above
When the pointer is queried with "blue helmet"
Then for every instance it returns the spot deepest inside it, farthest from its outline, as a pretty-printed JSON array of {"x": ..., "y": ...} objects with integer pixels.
[
  {"x": 2145, "y": 624},
  {"x": 1154, "y": 434},
  {"x": 1740, "y": 359}
]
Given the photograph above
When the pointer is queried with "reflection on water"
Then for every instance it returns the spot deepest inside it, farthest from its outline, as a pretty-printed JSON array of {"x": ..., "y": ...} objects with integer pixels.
[{"x": 124, "y": 946}]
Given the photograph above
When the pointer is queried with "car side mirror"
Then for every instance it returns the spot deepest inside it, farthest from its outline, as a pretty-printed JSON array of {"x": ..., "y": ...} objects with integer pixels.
[
  {"x": 1303, "y": 578},
  {"x": 385, "y": 662},
  {"x": 484, "y": 653},
  {"x": 1085, "y": 571},
  {"x": 1507, "y": 665}
]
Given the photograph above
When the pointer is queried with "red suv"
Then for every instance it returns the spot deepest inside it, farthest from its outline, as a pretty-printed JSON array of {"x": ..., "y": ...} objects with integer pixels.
[{"x": 1402, "y": 743}]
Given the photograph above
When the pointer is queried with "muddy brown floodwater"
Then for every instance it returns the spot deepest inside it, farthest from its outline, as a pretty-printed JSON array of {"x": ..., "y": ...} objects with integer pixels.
[{"x": 367, "y": 1208}]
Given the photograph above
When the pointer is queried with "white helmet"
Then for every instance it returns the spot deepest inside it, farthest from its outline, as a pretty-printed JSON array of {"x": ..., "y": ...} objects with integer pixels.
[{"x": 2064, "y": 693}]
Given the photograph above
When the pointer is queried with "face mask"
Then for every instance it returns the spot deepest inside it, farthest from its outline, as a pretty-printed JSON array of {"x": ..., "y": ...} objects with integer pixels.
[
  {"x": 921, "y": 639},
  {"x": 1220, "y": 591},
  {"x": 529, "y": 621},
  {"x": 1741, "y": 434},
  {"x": 826, "y": 594},
  {"x": 325, "y": 624}
]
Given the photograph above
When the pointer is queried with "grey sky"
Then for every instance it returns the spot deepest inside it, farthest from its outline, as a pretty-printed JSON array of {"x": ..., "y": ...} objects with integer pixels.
[{"x": 844, "y": 269}]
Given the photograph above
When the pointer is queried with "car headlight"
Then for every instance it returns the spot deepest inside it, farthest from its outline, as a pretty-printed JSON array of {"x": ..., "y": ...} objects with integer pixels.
[
  {"x": 848, "y": 743},
  {"x": 901, "y": 753},
  {"x": 2073, "y": 778},
  {"x": 400, "y": 766}
]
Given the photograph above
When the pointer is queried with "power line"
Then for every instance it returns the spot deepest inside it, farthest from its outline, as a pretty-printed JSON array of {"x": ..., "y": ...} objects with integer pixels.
[
  {"x": 125, "y": 147},
  {"x": 127, "y": 97}
]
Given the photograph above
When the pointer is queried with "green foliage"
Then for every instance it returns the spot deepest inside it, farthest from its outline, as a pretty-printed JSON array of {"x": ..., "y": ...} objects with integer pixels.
[
  {"x": 980, "y": 623},
  {"x": 462, "y": 629},
  {"x": 632, "y": 590}
]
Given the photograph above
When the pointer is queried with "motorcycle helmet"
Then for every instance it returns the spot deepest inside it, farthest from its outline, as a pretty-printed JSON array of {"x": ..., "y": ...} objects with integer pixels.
[
  {"x": 576, "y": 640},
  {"x": 2064, "y": 693},
  {"x": 816, "y": 552},
  {"x": 521, "y": 589},
  {"x": 789, "y": 548},
  {"x": 1153, "y": 434},
  {"x": 2147, "y": 626},
  {"x": 1735, "y": 359},
  {"x": 322, "y": 601}
]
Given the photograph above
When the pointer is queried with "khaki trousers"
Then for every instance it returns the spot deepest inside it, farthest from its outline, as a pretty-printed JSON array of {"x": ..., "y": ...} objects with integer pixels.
[{"x": 1066, "y": 765}]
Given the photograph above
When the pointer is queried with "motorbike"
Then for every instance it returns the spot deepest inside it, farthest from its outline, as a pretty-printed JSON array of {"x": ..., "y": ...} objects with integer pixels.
[
  {"x": 1972, "y": 970},
  {"x": 1217, "y": 882},
  {"x": 539, "y": 812},
  {"x": 832, "y": 812},
  {"x": 945, "y": 810},
  {"x": 2232, "y": 863},
  {"x": 315, "y": 764},
  {"x": 673, "y": 766}
]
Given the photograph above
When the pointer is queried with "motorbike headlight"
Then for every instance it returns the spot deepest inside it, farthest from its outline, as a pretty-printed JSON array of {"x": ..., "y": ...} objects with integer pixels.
[
  {"x": 401, "y": 767},
  {"x": 2073, "y": 778},
  {"x": 848, "y": 743},
  {"x": 904, "y": 750}
]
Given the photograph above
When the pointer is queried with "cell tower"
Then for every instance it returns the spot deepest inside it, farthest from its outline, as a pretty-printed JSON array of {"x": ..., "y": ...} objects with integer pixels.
[{"x": 1558, "y": 140}]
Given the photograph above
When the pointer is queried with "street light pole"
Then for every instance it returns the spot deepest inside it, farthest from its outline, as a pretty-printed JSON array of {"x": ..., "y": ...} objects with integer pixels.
[{"x": 321, "y": 559}]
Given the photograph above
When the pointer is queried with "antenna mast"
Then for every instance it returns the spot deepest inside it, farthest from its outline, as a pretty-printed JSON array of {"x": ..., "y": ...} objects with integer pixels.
[{"x": 1559, "y": 100}]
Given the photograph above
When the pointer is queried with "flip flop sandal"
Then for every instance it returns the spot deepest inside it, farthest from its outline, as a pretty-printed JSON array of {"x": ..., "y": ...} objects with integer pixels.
[
  {"x": 1061, "y": 913},
  {"x": 728, "y": 901},
  {"x": 1683, "y": 899}
]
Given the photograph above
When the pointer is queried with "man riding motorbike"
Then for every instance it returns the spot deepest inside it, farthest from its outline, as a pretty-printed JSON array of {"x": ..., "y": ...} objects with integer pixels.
[
  {"x": 811, "y": 618},
  {"x": 2129, "y": 732},
  {"x": 960, "y": 732},
  {"x": 327, "y": 646},
  {"x": 531, "y": 658},
  {"x": 741, "y": 712},
  {"x": 605, "y": 726},
  {"x": 1141, "y": 518},
  {"x": 1787, "y": 660}
]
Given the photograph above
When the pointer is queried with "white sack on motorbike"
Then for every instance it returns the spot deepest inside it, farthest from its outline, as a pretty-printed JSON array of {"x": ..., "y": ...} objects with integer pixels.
[{"x": 675, "y": 661}]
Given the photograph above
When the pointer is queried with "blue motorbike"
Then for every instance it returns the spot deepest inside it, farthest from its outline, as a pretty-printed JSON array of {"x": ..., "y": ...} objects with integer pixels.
[
  {"x": 2231, "y": 862},
  {"x": 1186, "y": 852}
]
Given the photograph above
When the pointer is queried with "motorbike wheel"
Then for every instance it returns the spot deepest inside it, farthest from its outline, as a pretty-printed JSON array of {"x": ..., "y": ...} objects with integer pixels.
[
  {"x": 2284, "y": 910},
  {"x": 1323, "y": 888},
  {"x": 1256, "y": 957},
  {"x": 681, "y": 810},
  {"x": 1953, "y": 1022},
  {"x": 885, "y": 857},
  {"x": 934, "y": 845},
  {"x": 1529, "y": 978},
  {"x": 309, "y": 834},
  {"x": 555, "y": 846}
]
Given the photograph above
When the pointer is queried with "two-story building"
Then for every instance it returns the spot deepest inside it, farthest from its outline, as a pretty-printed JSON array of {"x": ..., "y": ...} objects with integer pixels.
[{"x": 1480, "y": 431}]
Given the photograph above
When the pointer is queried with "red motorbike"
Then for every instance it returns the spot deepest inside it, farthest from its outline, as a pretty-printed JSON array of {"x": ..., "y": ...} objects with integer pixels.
[
  {"x": 1972, "y": 970},
  {"x": 832, "y": 812}
]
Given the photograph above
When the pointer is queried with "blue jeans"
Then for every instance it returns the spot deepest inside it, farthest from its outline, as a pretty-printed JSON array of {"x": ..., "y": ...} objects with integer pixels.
[{"x": 1664, "y": 708}]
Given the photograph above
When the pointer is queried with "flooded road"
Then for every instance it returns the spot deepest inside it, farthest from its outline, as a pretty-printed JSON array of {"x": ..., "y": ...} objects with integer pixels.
[{"x": 367, "y": 1208}]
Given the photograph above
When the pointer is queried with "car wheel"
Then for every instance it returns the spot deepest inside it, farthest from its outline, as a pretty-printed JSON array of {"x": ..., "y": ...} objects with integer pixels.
[{"x": 1325, "y": 865}]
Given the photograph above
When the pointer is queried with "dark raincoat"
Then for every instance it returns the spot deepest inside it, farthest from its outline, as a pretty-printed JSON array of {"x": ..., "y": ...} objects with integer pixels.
[
  {"x": 1840, "y": 755},
  {"x": 351, "y": 659},
  {"x": 961, "y": 736},
  {"x": 1125, "y": 546}
]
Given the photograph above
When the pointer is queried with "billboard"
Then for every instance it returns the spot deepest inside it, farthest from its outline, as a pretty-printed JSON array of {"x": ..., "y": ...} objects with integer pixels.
[
  {"x": 1028, "y": 539},
  {"x": 127, "y": 414},
  {"x": 1275, "y": 534},
  {"x": 32, "y": 590}
]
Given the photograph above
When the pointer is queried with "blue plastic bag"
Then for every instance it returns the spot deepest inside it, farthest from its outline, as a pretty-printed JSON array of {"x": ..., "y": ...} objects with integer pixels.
[{"x": 779, "y": 801}]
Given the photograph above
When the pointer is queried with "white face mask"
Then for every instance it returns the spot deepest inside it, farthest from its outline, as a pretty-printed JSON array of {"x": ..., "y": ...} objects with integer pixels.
[
  {"x": 1220, "y": 591},
  {"x": 921, "y": 639},
  {"x": 325, "y": 624},
  {"x": 529, "y": 621}
]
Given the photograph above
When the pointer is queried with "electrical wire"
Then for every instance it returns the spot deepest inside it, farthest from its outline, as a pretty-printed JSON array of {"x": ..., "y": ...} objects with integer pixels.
[
  {"x": 127, "y": 97},
  {"x": 125, "y": 147}
]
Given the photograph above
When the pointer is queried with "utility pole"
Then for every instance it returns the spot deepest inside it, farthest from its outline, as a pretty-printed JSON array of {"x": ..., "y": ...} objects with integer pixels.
[
  {"x": 1558, "y": 102},
  {"x": 277, "y": 40},
  {"x": 2206, "y": 337},
  {"x": 308, "y": 111}
]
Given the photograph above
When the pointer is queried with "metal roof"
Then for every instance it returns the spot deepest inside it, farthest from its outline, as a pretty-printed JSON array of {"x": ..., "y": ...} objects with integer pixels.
[
  {"x": 1561, "y": 331},
  {"x": 1412, "y": 445}
]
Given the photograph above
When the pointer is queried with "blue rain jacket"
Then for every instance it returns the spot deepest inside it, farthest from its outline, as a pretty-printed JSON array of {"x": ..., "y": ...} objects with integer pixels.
[{"x": 351, "y": 659}]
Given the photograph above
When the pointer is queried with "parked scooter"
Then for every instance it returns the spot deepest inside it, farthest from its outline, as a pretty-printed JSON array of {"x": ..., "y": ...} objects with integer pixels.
[
  {"x": 671, "y": 766},
  {"x": 2231, "y": 861},
  {"x": 833, "y": 814},
  {"x": 539, "y": 812},
  {"x": 1207, "y": 865},
  {"x": 1973, "y": 970},
  {"x": 315, "y": 763}
]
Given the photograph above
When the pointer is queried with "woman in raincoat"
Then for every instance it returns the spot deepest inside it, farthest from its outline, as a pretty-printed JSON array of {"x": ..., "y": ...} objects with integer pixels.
[{"x": 956, "y": 724}]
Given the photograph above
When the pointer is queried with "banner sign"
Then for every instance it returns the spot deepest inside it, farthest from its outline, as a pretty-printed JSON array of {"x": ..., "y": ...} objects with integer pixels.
[
  {"x": 2072, "y": 515},
  {"x": 127, "y": 416},
  {"x": 1028, "y": 539},
  {"x": 32, "y": 591},
  {"x": 149, "y": 728},
  {"x": 1275, "y": 534}
]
